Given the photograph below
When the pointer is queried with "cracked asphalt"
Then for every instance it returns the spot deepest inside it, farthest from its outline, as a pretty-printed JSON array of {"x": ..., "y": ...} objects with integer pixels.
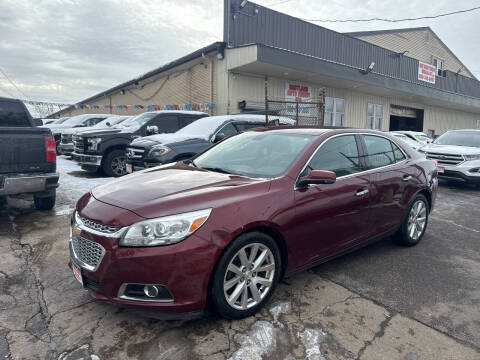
[{"x": 381, "y": 302}]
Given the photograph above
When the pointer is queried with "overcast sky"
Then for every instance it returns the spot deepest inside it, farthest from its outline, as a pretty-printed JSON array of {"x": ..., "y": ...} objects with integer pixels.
[{"x": 67, "y": 50}]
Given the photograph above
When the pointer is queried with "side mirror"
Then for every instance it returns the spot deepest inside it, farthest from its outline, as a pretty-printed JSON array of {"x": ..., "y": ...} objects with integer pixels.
[
  {"x": 219, "y": 137},
  {"x": 152, "y": 130},
  {"x": 81, "y": 125},
  {"x": 108, "y": 124},
  {"x": 317, "y": 177}
]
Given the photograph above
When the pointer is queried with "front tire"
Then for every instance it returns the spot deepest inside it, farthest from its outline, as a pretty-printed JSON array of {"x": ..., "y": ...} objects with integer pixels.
[
  {"x": 415, "y": 223},
  {"x": 114, "y": 164},
  {"x": 246, "y": 275}
]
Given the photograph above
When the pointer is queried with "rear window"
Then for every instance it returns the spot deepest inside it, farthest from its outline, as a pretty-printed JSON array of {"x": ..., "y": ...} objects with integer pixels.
[{"x": 13, "y": 114}]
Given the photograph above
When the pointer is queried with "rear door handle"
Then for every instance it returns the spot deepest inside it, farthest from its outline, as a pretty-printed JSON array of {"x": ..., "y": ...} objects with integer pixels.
[
  {"x": 406, "y": 178},
  {"x": 362, "y": 192}
]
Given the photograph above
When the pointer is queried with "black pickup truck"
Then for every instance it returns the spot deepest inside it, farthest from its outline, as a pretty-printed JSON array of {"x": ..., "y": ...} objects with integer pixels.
[
  {"x": 27, "y": 156},
  {"x": 105, "y": 149}
]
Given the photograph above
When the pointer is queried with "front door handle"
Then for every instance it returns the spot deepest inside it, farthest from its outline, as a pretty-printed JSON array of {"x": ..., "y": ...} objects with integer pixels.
[
  {"x": 362, "y": 192},
  {"x": 406, "y": 178}
]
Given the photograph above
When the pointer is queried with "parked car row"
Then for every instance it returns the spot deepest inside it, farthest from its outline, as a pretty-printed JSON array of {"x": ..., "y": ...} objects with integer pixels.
[{"x": 119, "y": 145}]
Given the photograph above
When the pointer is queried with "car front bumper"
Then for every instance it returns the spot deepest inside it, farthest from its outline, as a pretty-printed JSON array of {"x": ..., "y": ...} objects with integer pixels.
[
  {"x": 183, "y": 268},
  {"x": 468, "y": 171},
  {"x": 87, "y": 159},
  {"x": 66, "y": 148},
  {"x": 25, "y": 183}
]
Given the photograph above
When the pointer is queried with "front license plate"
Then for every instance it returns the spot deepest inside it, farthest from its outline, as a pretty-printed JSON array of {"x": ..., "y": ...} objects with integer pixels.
[
  {"x": 129, "y": 168},
  {"x": 440, "y": 170},
  {"x": 77, "y": 272}
]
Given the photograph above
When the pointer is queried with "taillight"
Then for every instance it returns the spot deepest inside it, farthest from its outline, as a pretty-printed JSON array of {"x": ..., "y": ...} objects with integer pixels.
[{"x": 50, "y": 149}]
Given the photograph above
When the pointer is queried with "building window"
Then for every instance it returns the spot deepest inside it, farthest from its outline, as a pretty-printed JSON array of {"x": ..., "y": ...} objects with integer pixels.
[
  {"x": 334, "y": 111},
  {"x": 439, "y": 65},
  {"x": 374, "y": 116}
]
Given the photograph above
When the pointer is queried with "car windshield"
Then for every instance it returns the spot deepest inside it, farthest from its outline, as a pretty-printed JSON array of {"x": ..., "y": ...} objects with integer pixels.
[
  {"x": 111, "y": 121},
  {"x": 459, "y": 138},
  {"x": 422, "y": 138},
  {"x": 61, "y": 120},
  {"x": 255, "y": 154},
  {"x": 136, "y": 122}
]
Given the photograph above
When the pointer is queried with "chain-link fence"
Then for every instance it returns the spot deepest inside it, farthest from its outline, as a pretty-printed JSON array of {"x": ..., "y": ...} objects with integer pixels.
[{"x": 304, "y": 113}]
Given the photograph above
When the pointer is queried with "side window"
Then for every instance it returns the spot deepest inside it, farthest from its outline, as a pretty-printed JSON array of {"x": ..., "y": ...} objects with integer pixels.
[
  {"x": 241, "y": 126},
  {"x": 185, "y": 120},
  {"x": 379, "y": 151},
  {"x": 166, "y": 124},
  {"x": 228, "y": 130},
  {"x": 93, "y": 121},
  {"x": 338, "y": 154},
  {"x": 397, "y": 153}
]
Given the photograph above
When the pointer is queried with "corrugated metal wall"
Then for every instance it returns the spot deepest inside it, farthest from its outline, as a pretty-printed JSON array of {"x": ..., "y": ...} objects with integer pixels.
[
  {"x": 255, "y": 24},
  {"x": 421, "y": 44}
]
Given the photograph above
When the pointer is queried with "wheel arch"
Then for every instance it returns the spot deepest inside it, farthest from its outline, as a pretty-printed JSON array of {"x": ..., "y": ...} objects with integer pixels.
[{"x": 275, "y": 234}]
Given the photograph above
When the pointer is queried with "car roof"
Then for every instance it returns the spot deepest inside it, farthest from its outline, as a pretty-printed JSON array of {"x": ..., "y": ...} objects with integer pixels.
[
  {"x": 475, "y": 130},
  {"x": 187, "y": 112},
  {"x": 316, "y": 130}
]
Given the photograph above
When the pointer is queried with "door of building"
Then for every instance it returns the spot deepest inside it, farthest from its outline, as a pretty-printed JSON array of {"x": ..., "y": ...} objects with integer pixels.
[{"x": 406, "y": 119}]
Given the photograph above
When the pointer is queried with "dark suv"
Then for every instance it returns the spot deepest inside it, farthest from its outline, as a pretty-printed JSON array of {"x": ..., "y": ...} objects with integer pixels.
[
  {"x": 192, "y": 139},
  {"x": 105, "y": 149}
]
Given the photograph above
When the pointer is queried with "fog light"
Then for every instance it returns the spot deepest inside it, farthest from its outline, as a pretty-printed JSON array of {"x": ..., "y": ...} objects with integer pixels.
[{"x": 150, "y": 290}]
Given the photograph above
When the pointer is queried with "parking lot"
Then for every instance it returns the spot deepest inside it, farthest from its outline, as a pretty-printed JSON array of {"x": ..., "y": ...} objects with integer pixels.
[{"x": 381, "y": 302}]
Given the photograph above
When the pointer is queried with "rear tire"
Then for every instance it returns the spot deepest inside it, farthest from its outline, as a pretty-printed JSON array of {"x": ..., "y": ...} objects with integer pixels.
[
  {"x": 45, "y": 203},
  {"x": 114, "y": 164},
  {"x": 415, "y": 223},
  {"x": 246, "y": 275}
]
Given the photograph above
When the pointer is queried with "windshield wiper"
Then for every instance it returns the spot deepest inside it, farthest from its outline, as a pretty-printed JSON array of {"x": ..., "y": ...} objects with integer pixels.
[
  {"x": 217, "y": 169},
  {"x": 189, "y": 162}
]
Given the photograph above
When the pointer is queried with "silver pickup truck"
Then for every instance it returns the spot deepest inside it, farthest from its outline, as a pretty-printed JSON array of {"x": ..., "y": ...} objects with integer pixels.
[{"x": 27, "y": 156}]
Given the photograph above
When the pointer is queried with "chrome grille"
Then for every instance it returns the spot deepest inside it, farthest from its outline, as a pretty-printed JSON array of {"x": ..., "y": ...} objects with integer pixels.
[
  {"x": 97, "y": 226},
  {"x": 445, "y": 159},
  {"x": 66, "y": 138},
  {"x": 88, "y": 253},
  {"x": 134, "y": 153},
  {"x": 78, "y": 145}
]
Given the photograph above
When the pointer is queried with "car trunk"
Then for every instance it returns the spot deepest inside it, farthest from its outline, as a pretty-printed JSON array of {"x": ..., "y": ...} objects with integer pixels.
[{"x": 22, "y": 149}]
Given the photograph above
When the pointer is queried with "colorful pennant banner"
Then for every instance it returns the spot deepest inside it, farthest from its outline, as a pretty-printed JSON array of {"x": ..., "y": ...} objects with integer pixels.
[{"x": 193, "y": 107}]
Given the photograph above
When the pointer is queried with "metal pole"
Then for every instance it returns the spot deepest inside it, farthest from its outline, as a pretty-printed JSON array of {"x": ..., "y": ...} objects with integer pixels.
[
  {"x": 297, "y": 113},
  {"x": 266, "y": 100}
]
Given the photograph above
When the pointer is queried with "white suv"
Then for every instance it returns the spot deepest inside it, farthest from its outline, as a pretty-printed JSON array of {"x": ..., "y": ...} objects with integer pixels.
[{"x": 457, "y": 153}]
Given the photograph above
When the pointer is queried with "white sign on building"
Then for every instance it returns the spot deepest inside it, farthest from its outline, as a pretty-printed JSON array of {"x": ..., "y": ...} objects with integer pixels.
[
  {"x": 298, "y": 93},
  {"x": 426, "y": 72}
]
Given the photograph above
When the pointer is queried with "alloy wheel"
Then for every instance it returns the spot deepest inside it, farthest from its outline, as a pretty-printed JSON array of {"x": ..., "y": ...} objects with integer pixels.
[
  {"x": 119, "y": 165},
  {"x": 417, "y": 218},
  {"x": 249, "y": 276}
]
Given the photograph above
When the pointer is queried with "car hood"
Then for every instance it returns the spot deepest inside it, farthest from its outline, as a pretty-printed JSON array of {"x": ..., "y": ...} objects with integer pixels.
[
  {"x": 99, "y": 132},
  {"x": 451, "y": 149},
  {"x": 165, "y": 139},
  {"x": 77, "y": 130},
  {"x": 171, "y": 189}
]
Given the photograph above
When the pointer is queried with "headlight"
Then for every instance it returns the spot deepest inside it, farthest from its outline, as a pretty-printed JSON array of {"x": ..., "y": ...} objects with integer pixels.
[
  {"x": 158, "y": 150},
  {"x": 93, "y": 143},
  {"x": 472, "y": 157},
  {"x": 164, "y": 230}
]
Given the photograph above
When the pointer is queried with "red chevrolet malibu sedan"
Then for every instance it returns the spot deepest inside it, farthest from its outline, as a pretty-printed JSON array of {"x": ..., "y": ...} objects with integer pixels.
[{"x": 224, "y": 227}]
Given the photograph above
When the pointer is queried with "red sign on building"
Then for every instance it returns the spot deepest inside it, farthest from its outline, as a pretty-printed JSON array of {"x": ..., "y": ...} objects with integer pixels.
[{"x": 426, "y": 72}]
